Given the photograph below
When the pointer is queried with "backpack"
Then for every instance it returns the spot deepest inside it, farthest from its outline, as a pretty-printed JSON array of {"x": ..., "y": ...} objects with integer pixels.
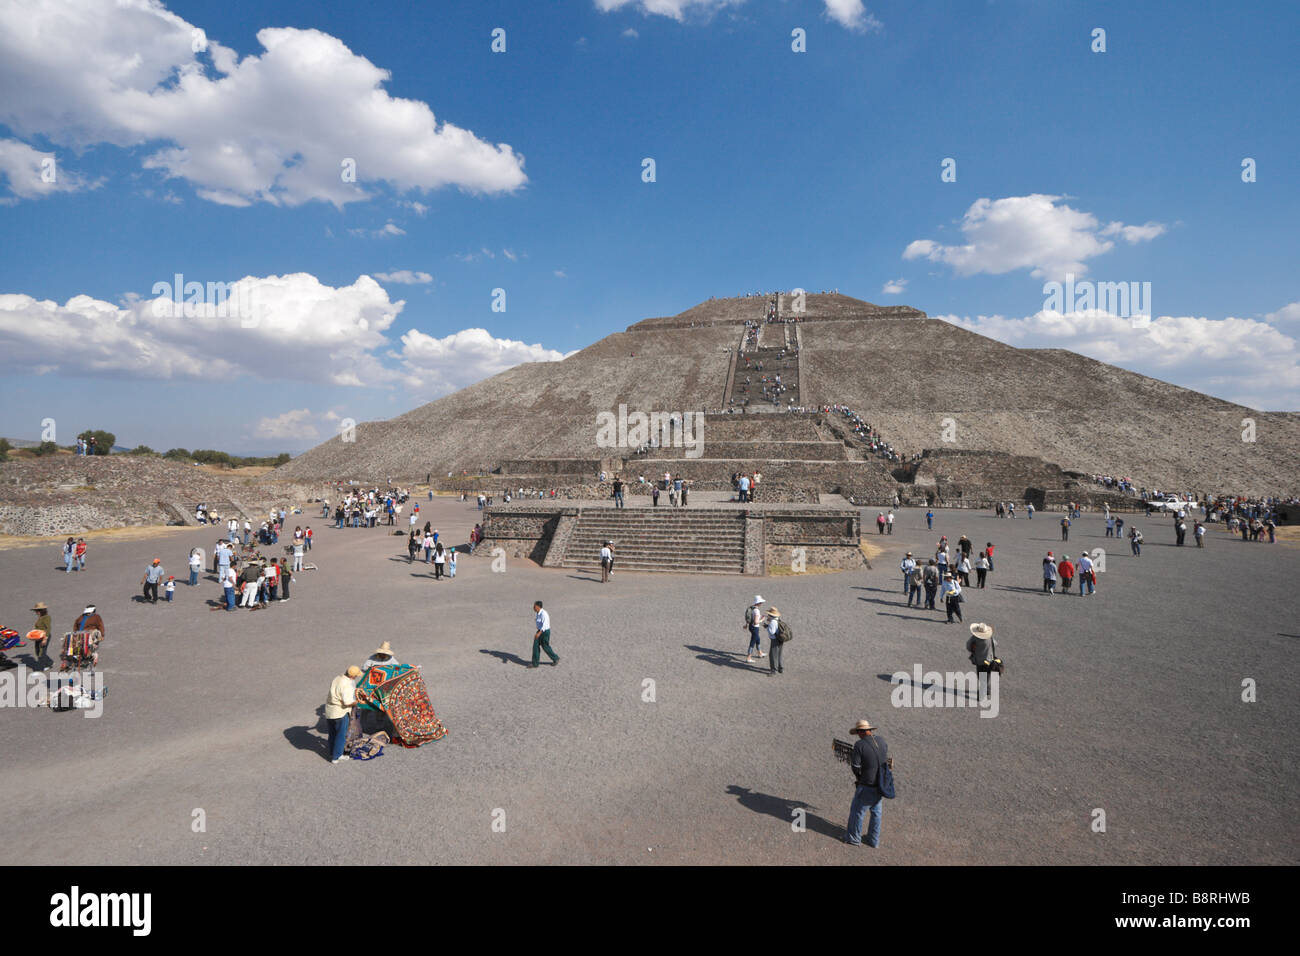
[
  {"x": 784, "y": 633},
  {"x": 750, "y": 618}
]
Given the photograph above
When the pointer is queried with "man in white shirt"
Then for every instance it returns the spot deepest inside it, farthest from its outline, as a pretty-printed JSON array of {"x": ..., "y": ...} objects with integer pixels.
[
  {"x": 542, "y": 639},
  {"x": 606, "y": 559},
  {"x": 1087, "y": 583},
  {"x": 908, "y": 566},
  {"x": 229, "y": 579},
  {"x": 338, "y": 708}
]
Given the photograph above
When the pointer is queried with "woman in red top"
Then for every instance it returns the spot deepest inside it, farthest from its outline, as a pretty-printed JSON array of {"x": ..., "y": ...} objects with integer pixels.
[{"x": 80, "y": 554}]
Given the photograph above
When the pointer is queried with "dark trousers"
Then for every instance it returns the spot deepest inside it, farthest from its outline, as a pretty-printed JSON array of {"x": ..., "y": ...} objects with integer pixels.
[
  {"x": 930, "y": 590},
  {"x": 38, "y": 652},
  {"x": 914, "y": 592},
  {"x": 284, "y": 576},
  {"x": 954, "y": 607},
  {"x": 437, "y": 570},
  {"x": 774, "y": 657},
  {"x": 151, "y": 592},
  {"x": 980, "y": 574},
  {"x": 543, "y": 643}
]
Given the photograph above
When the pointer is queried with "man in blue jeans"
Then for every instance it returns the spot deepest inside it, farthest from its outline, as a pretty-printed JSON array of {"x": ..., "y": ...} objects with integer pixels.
[
  {"x": 338, "y": 707},
  {"x": 870, "y": 753}
]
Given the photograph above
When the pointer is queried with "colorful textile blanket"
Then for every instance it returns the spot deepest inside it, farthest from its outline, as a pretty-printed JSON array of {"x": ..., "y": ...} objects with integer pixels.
[
  {"x": 398, "y": 690},
  {"x": 80, "y": 649}
]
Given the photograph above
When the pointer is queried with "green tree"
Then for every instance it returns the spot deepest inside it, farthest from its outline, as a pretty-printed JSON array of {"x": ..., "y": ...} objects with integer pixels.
[
  {"x": 142, "y": 450},
  {"x": 104, "y": 441},
  {"x": 45, "y": 448},
  {"x": 208, "y": 456},
  {"x": 282, "y": 459},
  {"x": 5, "y": 448},
  {"x": 178, "y": 454}
]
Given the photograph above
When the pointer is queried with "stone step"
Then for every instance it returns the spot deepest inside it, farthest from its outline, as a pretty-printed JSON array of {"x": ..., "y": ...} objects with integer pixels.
[{"x": 678, "y": 566}]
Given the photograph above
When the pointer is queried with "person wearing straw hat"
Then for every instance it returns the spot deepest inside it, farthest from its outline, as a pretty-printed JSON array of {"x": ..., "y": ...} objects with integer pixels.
[
  {"x": 381, "y": 655},
  {"x": 754, "y": 621},
  {"x": 870, "y": 753},
  {"x": 776, "y": 640},
  {"x": 39, "y": 644},
  {"x": 338, "y": 708},
  {"x": 983, "y": 652}
]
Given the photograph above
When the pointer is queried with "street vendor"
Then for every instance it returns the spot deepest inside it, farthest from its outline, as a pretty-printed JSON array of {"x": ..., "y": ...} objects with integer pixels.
[
  {"x": 42, "y": 626},
  {"x": 382, "y": 656}
]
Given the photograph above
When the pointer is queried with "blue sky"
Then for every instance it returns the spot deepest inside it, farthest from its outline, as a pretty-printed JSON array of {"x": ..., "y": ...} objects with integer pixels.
[{"x": 774, "y": 169}]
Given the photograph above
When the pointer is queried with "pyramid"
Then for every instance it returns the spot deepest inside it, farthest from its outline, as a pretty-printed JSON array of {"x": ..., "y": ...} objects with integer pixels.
[{"x": 968, "y": 404}]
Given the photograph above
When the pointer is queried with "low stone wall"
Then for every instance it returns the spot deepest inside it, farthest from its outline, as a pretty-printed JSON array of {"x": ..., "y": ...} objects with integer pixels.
[
  {"x": 799, "y": 557},
  {"x": 520, "y": 532}
]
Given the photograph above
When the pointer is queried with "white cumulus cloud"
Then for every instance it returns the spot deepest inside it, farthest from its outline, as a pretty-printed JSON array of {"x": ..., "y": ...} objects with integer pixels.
[
  {"x": 438, "y": 366},
  {"x": 31, "y": 174},
  {"x": 294, "y": 424},
  {"x": 279, "y": 126},
  {"x": 851, "y": 14},
  {"x": 275, "y": 328},
  {"x": 894, "y": 287},
  {"x": 1036, "y": 232},
  {"x": 1241, "y": 360}
]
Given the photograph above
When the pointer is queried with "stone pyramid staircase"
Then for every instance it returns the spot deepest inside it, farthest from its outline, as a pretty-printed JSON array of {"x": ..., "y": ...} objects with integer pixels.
[{"x": 711, "y": 541}]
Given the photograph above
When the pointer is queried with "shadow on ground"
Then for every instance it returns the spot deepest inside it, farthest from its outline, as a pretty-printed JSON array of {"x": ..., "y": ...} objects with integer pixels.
[
  {"x": 783, "y": 809},
  {"x": 723, "y": 658}
]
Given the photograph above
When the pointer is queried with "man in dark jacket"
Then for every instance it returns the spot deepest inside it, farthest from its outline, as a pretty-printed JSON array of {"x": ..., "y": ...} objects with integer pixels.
[{"x": 870, "y": 753}]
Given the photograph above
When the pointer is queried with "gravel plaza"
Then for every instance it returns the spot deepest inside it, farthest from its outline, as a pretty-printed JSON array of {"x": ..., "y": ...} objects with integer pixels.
[{"x": 1110, "y": 702}]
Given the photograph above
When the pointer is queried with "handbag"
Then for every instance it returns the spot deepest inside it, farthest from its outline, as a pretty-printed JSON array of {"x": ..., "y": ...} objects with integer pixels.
[
  {"x": 884, "y": 773},
  {"x": 996, "y": 664}
]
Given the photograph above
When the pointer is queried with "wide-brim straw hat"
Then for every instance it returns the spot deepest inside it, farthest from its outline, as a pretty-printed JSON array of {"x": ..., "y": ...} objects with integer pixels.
[
  {"x": 384, "y": 648},
  {"x": 863, "y": 725},
  {"x": 353, "y": 671},
  {"x": 39, "y": 606},
  {"x": 982, "y": 630},
  {"x": 773, "y": 612}
]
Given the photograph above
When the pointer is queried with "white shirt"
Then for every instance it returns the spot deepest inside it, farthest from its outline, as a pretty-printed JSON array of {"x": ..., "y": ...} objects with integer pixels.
[
  {"x": 543, "y": 620},
  {"x": 605, "y": 554}
]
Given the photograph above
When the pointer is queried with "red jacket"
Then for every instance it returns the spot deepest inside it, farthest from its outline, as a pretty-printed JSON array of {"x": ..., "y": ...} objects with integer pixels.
[{"x": 1066, "y": 568}]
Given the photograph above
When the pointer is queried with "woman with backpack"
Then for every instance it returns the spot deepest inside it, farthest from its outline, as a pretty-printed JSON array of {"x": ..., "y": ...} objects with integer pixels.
[{"x": 779, "y": 634}]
